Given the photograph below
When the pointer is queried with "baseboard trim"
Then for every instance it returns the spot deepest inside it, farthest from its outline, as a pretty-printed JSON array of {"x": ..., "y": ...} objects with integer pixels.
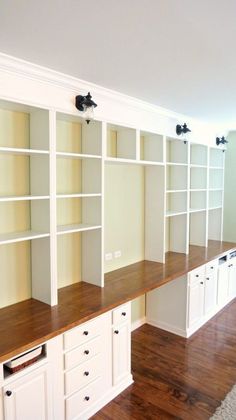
[
  {"x": 166, "y": 327},
  {"x": 138, "y": 323},
  {"x": 109, "y": 396}
]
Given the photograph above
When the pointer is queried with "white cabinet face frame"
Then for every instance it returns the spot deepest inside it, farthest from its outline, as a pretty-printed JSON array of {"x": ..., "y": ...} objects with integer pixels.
[{"x": 121, "y": 352}]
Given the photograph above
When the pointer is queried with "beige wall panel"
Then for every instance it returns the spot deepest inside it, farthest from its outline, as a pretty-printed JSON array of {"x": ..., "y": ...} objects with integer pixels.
[
  {"x": 124, "y": 214},
  {"x": 15, "y": 263},
  {"x": 69, "y": 259},
  {"x": 14, "y": 129},
  {"x": 68, "y": 136}
]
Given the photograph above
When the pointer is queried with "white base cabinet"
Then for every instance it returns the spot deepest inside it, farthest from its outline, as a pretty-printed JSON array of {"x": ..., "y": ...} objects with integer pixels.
[
  {"x": 185, "y": 304},
  {"x": 30, "y": 397},
  {"x": 80, "y": 371}
]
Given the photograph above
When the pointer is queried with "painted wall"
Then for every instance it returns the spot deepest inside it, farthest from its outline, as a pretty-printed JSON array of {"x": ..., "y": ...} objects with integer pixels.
[
  {"x": 230, "y": 190},
  {"x": 124, "y": 220}
]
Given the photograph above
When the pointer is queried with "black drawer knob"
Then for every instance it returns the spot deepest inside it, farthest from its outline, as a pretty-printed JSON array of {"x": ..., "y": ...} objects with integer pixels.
[
  {"x": 86, "y": 351},
  {"x": 86, "y": 373},
  {"x": 85, "y": 332},
  {"x": 197, "y": 275},
  {"x": 212, "y": 268},
  {"x": 8, "y": 393},
  {"x": 123, "y": 314},
  {"x": 116, "y": 332},
  {"x": 208, "y": 278},
  {"x": 201, "y": 282},
  {"x": 87, "y": 398}
]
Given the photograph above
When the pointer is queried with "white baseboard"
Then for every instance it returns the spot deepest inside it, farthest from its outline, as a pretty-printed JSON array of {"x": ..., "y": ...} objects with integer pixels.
[
  {"x": 138, "y": 323},
  {"x": 109, "y": 396},
  {"x": 166, "y": 327}
]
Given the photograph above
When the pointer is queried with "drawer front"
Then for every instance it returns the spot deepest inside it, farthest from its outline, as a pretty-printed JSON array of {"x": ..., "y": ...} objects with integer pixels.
[
  {"x": 83, "y": 353},
  {"x": 83, "y": 333},
  {"x": 211, "y": 266},
  {"x": 197, "y": 275},
  {"x": 121, "y": 314},
  {"x": 80, "y": 376},
  {"x": 83, "y": 400}
]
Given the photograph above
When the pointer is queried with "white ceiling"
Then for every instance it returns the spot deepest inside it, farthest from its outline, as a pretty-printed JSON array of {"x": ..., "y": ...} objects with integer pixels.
[{"x": 178, "y": 54}]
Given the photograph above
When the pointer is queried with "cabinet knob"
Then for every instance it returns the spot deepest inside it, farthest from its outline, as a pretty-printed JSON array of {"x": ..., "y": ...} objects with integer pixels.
[
  {"x": 212, "y": 268},
  {"x": 8, "y": 393},
  {"x": 116, "y": 332},
  {"x": 86, "y": 351},
  {"x": 87, "y": 398},
  {"x": 208, "y": 278},
  {"x": 85, "y": 332},
  {"x": 197, "y": 275},
  {"x": 201, "y": 282},
  {"x": 123, "y": 314},
  {"x": 86, "y": 373}
]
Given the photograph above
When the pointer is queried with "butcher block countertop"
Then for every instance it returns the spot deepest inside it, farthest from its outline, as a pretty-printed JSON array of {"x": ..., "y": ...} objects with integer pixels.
[{"x": 30, "y": 323}]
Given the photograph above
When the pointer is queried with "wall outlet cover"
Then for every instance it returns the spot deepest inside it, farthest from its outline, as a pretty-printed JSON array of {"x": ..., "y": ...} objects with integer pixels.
[
  {"x": 117, "y": 254},
  {"x": 108, "y": 256}
]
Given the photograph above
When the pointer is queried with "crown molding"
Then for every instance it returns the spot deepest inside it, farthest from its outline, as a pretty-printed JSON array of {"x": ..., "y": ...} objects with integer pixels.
[{"x": 33, "y": 71}]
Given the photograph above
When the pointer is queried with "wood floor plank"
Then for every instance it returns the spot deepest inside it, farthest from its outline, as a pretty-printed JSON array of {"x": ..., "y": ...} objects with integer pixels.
[{"x": 178, "y": 378}]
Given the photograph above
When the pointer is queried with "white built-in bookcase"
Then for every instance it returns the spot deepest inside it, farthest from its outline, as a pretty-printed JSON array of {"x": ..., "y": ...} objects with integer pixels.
[{"x": 52, "y": 194}]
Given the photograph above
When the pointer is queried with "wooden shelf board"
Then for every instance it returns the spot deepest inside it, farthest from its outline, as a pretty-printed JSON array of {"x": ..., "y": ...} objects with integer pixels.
[
  {"x": 31, "y": 322},
  {"x": 176, "y": 191},
  {"x": 175, "y": 213},
  {"x": 24, "y": 198},
  {"x": 193, "y": 165},
  {"x": 77, "y": 155},
  {"x": 197, "y": 210},
  {"x": 82, "y": 227},
  {"x": 215, "y": 208},
  {"x": 22, "y": 151},
  {"x": 177, "y": 164},
  {"x": 8, "y": 238},
  {"x": 79, "y": 195},
  {"x": 150, "y": 162},
  {"x": 121, "y": 160}
]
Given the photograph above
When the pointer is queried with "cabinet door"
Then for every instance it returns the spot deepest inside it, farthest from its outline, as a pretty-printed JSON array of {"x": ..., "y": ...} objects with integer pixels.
[
  {"x": 30, "y": 397},
  {"x": 210, "y": 292},
  {"x": 223, "y": 284},
  {"x": 121, "y": 352},
  {"x": 196, "y": 302},
  {"x": 232, "y": 278}
]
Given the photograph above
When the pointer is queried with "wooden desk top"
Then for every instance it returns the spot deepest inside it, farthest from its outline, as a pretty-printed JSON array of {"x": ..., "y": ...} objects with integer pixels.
[{"x": 30, "y": 323}]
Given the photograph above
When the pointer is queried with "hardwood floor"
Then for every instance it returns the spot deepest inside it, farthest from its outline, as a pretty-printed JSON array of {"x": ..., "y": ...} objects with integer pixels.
[{"x": 177, "y": 378}]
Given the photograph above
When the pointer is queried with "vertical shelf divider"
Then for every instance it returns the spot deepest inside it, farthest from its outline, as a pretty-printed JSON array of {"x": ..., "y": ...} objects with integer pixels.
[
  {"x": 53, "y": 207},
  {"x": 44, "y": 276},
  {"x": 188, "y": 198},
  {"x": 104, "y": 154},
  {"x": 223, "y": 193},
  {"x": 208, "y": 194},
  {"x": 138, "y": 140}
]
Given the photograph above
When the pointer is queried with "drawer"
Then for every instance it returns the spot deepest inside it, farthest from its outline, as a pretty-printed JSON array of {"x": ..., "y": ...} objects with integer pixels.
[
  {"x": 121, "y": 314},
  {"x": 83, "y": 400},
  {"x": 83, "y": 353},
  {"x": 83, "y": 333},
  {"x": 81, "y": 375},
  {"x": 196, "y": 275},
  {"x": 211, "y": 266}
]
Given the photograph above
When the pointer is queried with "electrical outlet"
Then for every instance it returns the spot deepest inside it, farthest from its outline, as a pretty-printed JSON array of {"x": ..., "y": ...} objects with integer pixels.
[
  {"x": 108, "y": 256},
  {"x": 117, "y": 254}
]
